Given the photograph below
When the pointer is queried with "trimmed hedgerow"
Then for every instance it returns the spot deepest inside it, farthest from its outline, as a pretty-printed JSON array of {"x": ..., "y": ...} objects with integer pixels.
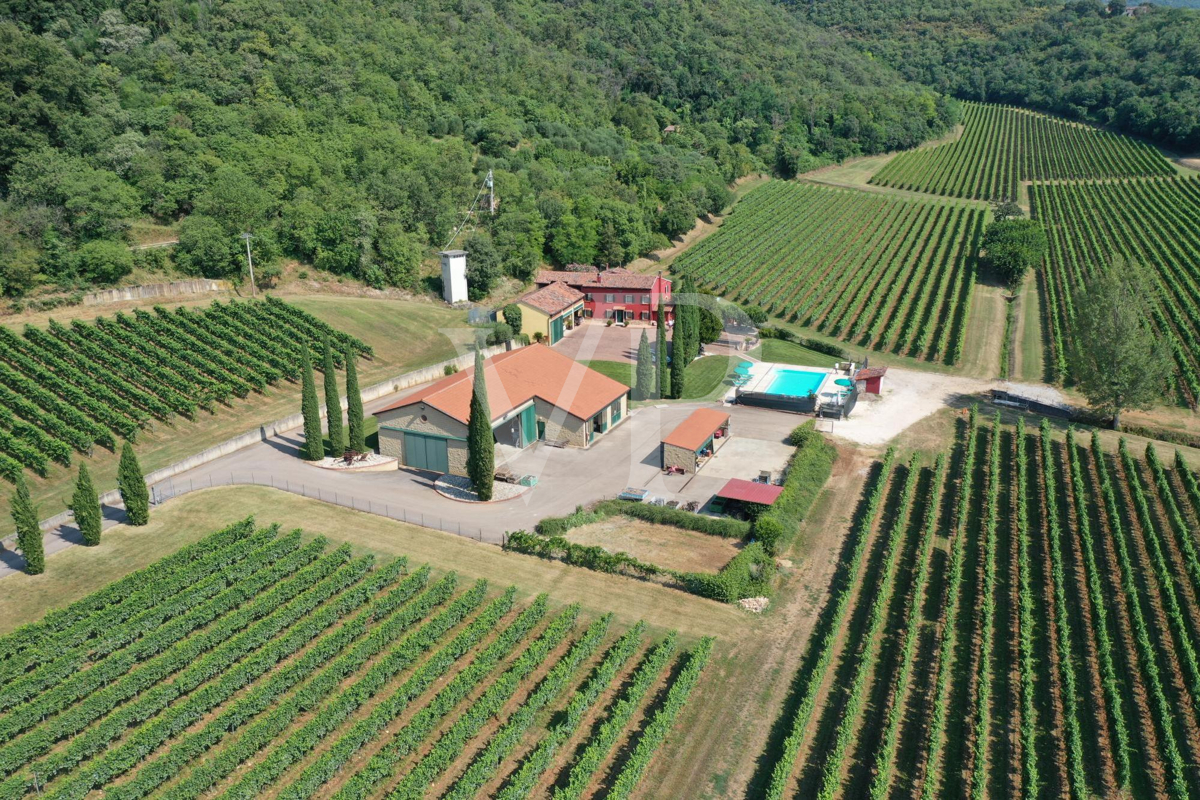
[{"x": 808, "y": 470}]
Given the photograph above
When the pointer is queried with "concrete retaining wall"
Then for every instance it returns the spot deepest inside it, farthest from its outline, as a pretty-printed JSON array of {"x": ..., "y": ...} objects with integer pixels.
[
  {"x": 264, "y": 432},
  {"x": 198, "y": 286}
]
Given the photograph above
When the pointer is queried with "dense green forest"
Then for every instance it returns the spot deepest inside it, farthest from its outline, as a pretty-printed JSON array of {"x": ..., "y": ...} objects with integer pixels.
[
  {"x": 353, "y": 135},
  {"x": 1083, "y": 59}
]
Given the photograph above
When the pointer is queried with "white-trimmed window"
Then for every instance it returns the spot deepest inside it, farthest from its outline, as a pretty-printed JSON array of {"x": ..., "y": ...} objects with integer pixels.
[
  {"x": 629, "y": 299},
  {"x": 609, "y": 298},
  {"x": 646, "y": 299},
  {"x": 646, "y": 316},
  {"x": 608, "y": 313}
]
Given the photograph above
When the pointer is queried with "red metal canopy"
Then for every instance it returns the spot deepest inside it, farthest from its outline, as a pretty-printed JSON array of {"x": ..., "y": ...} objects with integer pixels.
[{"x": 750, "y": 492}]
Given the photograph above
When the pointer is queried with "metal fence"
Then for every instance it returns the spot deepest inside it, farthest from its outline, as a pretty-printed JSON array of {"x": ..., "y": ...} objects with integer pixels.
[{"x": 166, "y": 490}]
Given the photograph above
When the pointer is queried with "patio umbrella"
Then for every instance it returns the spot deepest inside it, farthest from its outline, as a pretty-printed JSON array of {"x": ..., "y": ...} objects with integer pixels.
[
  {"x": 746, "y": 364},
  {"x": 844, "y": 382},
  {"x": 741, "y": 371}
]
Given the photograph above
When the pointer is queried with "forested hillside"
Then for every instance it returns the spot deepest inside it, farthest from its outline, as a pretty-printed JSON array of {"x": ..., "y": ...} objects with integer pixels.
[
  {"x": 353, "y": 135},
  {"x": 1083, "y": 59}
]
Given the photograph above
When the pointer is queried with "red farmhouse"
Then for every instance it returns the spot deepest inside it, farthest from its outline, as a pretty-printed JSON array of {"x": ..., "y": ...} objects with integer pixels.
[{"x": 616, "y": 294}]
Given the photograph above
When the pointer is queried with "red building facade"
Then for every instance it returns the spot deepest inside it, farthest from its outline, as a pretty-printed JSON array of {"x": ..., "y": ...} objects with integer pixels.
[{"x": 616, "y": 294}]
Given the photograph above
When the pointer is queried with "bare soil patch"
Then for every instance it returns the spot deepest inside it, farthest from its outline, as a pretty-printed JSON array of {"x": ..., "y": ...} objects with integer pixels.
[{"x": 662, "y": 545}]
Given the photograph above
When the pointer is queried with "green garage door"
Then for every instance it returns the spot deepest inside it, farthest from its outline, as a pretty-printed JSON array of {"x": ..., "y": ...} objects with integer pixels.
[
  {"x": 425, "y": 452},
  {"x": 556, "y": 330}
]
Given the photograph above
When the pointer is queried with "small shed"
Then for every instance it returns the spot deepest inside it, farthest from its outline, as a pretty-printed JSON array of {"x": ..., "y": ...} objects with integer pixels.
[
  {"x": 695, "y": 440},
  {"x": 739, "y": 493},
  {"x": 870, "y": 380}
]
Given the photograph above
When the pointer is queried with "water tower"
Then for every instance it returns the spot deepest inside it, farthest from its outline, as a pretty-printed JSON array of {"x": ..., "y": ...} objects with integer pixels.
[{"x": 454, "y": 276}]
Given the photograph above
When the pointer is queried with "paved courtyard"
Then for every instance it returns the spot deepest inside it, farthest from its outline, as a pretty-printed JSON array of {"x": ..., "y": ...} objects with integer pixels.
[{"x": 628, "y": 456}]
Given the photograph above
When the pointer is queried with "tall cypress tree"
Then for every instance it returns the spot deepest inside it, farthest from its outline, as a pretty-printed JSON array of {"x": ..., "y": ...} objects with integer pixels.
[
  {"x": 314, "y": 448},
  {"x": 132, "y": 484},
  {"x": 680, "y": 355},
  {"x": 85, "y": 505},
  {"x": 662, "y": 385},
  {"x": 481, "y": 447},
  {"x": 29, "y": 533},
  {"x": 354, "y": 407},
  {"x": 643, "y": 388},
  {"x": 687, "y": 325},
  {"x": 333, "y": 402}
]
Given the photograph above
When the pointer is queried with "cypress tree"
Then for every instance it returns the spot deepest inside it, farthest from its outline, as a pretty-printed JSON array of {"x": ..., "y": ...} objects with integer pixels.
[
  {"x": 481, "y": 447},
  {"x": 643, "y": 388},
  {"x": 333, "y": 403},
  {"x": 354, "y": 407},
  {"x": 314, "y": 448},
  {"x": 85, "y": 504},
  {"x": 687, "y": 325},
  {"x": 661, "y": 385},
  {"x": 29, "y": 533},
  {"x": 132, "y": 484}
]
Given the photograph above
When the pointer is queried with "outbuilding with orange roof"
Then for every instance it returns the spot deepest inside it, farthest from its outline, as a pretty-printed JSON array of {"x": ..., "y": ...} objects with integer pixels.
[
  {"x": 533, "y": 393},
  {"x": 695, "y": 440}
]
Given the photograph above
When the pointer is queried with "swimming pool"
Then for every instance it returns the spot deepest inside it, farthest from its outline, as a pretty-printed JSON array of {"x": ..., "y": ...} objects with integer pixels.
[{"x": 796, "y": 382}]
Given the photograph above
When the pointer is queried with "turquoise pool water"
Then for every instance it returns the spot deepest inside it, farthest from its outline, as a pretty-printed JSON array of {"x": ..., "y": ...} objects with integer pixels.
[{"x": 796, "y": 382}]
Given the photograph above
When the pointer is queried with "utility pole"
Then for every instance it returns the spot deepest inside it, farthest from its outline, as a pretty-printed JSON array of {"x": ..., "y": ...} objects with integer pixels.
[
  {"x": 491, "y": 193},
  {"x": 249, "y": 262}
]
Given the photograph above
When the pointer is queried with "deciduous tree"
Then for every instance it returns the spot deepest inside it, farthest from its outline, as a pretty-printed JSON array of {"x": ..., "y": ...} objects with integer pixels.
[
  {"x": 1116, "y": 359},
  {"x": 1012, "y": 247}
]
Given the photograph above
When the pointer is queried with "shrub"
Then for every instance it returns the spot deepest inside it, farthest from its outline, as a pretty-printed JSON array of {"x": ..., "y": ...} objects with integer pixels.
[
  {"x": 450, "y": 369},
  {"x": 756, "y": 314},
  {"x": 808, "y": 469},
  {"x": 512, "y": 315},
  {"x": 748, "y": 574},
  {"x": 662, "y": 515}
]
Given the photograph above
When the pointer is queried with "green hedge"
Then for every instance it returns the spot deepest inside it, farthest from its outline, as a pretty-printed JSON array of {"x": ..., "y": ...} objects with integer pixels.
[
  {"x": 808, "y": 470},
  {"x": 662, "y": 515},
  {"x": 749, "y": 574},
  {"x": 578, "y": 555}
]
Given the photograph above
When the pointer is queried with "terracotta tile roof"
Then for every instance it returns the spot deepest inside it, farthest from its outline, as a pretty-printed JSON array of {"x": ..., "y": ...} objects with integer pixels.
[
  {"x": 516, "y": 377},
  {"x": 553, "y": 298},
  {"x": 870, "y": 372},
  {"x": 694, "y": 431},
  {"x": 750, "y": 492},
  {"x": 615, "y": 278}
]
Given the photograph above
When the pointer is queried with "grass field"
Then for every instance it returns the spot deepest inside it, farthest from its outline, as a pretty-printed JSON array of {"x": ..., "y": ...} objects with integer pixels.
[
  {"x": 780, "y": 351},
  {"x": 405, "y": 335},
  {"x": 193, "y": 675},
  {"x": 1015, "y": 617},
  {"x": 891, "y": 275}
]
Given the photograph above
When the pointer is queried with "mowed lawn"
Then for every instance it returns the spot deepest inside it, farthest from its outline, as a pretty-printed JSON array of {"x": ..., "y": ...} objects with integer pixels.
[
  {"x": 778, "y": 351},
  {"x": 702, "y": 378},
  {"x": 406, "y": 335}
]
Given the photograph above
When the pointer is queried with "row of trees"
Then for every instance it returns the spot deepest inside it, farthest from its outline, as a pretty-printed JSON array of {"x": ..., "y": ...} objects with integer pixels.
[
  {"x": 339, "y": 443},
  {"x": 85, "y": 507}
]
